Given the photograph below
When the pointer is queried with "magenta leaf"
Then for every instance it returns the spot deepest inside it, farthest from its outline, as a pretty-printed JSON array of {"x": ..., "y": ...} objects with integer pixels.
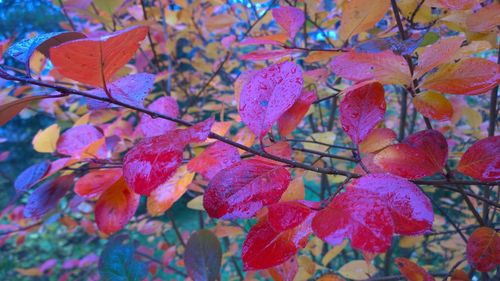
[
  {"x": 215, "y": 158},
  {"x": 268, "y": 94},
  {"x": 75, "y": 140},
  {"x": 242, "y": 189},
  {"x": 287, "y": 215}
]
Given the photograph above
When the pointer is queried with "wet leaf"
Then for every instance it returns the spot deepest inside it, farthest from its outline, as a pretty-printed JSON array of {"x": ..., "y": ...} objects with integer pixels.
[
  {"x": 213, "y": 159},
  {"x": 486, "y": 19},
  {"x": 377, "y": 139},
  {"x": 361, "y": 109},
  {"x": 268, "y": 94},
  {"x": 151, "y": 127},
  {"x": 433, "y": 105},
  {"x": 437, "y": 54},
  {"x": 286, "y": 215},
  {"x": 75, "y": 141},
  {"x": 243, "y": 188},
  {"x": 412, "y": 271},
  {"x": 154, "y": 160},
  {"x": 291, "y": 118},
  {"x": 94, "y": 183}
]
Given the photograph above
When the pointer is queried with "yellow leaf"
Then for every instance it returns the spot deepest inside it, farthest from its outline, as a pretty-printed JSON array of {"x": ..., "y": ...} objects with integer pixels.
[
  {"x": 333, "y": 252},
  {"x": 196, "y": 203},
  {"x": 45, "y": 141},
  {"x": 410, "y": 241},
  {"x": 34, "y": 271},
  {"x": 220, "y": 21},
  {"x": 473, "y": 117},
  {"x": 357, "y": 270},
  {"x": 295, "y": 190}
]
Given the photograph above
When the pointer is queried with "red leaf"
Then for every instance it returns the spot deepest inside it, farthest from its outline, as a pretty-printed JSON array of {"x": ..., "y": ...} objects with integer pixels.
[
  {"x": 264, "y": 247},
  {"x": 421, "y": 154},
  {"x": 11, "y": 109},
  {"x": 242, "y": 189},
  {"x": 359, "y": 215},
  {"x": 74, "y": 141},
  {"x": 412, "y": 271},
  {"x": 95, "y": 61},
  {"x": 268, "y": 94},
  {"x": 386, "y": 67},
  {"x": 286, "y": 215},
  {"x": 131, "y": 90},
  {"x": 377, "y": 139},
  {"x": 154, "y": 160},
  {"x": 115, "y": 207},
  {"x": 483, "y": 249},
  {"x": 410, "y": 209},
  {"x": 215, "y": 158},
  {"x": 471, "y": 76},
  {"x": 482, "y": 160},
  {"x": 290, "y": 19},
  {"x": 361, "y": 109},
  {"x": 96, "y": 182},
  {"x": 151, "y": 127},
  {"x": 292, "y": 117},
  {"x": 46, "y": 196}
]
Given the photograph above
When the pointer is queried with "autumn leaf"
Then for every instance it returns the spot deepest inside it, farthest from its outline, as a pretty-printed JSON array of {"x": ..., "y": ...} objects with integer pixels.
[
  {"x": 482, "y": 160},
  {"x": 11, "y": 109},
  {"x": 361, "y": 109},
  {"x": 433, "y": 105},
  {"x": 290, "y": 19},
  {"x": 94, "y": 183},
  {"x": 385, "y": 67},
  {"x": 412, "y": 271},
  {"x": 377, "y": 139},
  {"x": 291, "y": 118},
  {"x": 154, "y": 160},
  {"x": 46, "y": 141},
  {"x": 268, "y": 94},
  {"x": 75, "y": 141},
  {"x": 436, "y": 54},
  {"x": 95, "y": 61},
  {"x": 115, "y": 207},
  {"x": 150, "y": 127},
  {"x": 467, "y": 77},
  {"x": 31, "y": 175},
  {"x": 213, "y": 159},
  {"x": 356, "y": 17},
  {"x": 483, "y": 249},
  {"x": 243, "y": 188},
  {"x": 419, "y": 155}
]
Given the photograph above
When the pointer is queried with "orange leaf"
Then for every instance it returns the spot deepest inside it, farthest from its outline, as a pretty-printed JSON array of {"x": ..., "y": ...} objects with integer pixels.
[
  {"x": 116, "y": 207},
  {"x": 487, "y": 18},
  {"x": 162, "y": 198},
  {"x": 468, "y": 77},
  {"x": 412, "y": 271},
  {"x": 377, "y": 139},
  {"x": 11, "y": 109},
  {"x": 360, "y": 15},
  {"x": 95, "y": 61},
  {"x": 483, "y": 249},
  {"x": 96, "y": 182},
  {"x": 436, "y": 54},
  {"x": 433, "y": 105}
]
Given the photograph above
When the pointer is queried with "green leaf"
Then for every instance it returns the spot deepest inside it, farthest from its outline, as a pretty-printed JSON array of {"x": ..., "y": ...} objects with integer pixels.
[
  {"x": 203, "y": 256},
  {"x": 117, "y": 262}
]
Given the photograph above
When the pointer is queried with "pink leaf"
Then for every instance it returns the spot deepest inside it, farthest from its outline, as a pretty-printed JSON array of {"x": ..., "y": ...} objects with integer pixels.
[
  {"x": 268, "y": 94},
  {"x": 75, "y": 140},
  {"x": 290, "y": 19}
]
